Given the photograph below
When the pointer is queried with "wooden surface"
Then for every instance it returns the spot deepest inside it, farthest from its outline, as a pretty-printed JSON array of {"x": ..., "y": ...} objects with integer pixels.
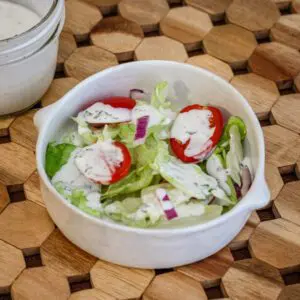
[{"x": 255, "y": 46}]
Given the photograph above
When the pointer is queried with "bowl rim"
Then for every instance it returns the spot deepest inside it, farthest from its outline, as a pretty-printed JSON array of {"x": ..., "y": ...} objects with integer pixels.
[{"x": 242, "y": 206}]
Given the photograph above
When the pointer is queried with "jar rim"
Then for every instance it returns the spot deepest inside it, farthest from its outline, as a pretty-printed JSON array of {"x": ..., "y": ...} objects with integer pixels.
[{"x": 43, "y": 19}]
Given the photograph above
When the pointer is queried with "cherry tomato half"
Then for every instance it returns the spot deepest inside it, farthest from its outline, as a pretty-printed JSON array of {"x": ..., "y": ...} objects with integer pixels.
[
  {"x": 216, "y": 120},
  {"x": 124, "y": 168}
]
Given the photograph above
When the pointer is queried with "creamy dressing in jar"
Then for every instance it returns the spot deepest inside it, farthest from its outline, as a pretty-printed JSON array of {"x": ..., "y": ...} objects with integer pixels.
[{"x": 15, "y": 19}]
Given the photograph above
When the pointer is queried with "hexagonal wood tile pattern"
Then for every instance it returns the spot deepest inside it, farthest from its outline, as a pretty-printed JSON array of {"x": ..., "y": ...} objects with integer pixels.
[
  {"x": 277, "y": 62},
  {"x": 160, "y": 47},
  {"x": 23, "y": 132},
  {"x": 91, "y": 294},
  {"x": 67, "y": 44},
  {"x": 11, "y": 265},
  {"x": 58, "y": 89},
  {"x": 274, "y": 180},
  {"x": 277, "y": 243},
  {"x": 286, "y": 112},
  {"x": 282, "y": 146},
  {"x": 147, "y": 13},
  {"x": 215, "y": 9},
  {"x": 212, "y": 64},
  {"x": 210, "y": 270},
  {"x": 25, "y": 225},
  {"x": 251, "y": 279},
  {"x": 81, "y": 17},
  {"x": 260, "y": 92},
  {"x": 230, "y": 43},
  {"x": 55, "y": 253},
  {"x": 44, "y": 284},
  {"x": 38, "y": 262},
  {"x": 86, "y": 61},
  {"x": 32, "y": 189},
  {"x": 187, "y": 25},
  {"x": 257, "y": 16},
  {"x": 173, "y": 286},
  {"x": 287, "y": 31},
  {"x": 287, "y": 203},
  {"x": 110, "y": 31},
  {"x": 120, "y": 282}
]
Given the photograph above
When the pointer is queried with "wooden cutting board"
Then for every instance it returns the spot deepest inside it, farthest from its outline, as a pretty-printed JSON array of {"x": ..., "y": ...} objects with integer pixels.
[{"x": 254, "y": 44}]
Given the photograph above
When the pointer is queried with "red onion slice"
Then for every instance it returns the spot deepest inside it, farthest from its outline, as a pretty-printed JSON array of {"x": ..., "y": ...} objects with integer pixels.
[
  {"x": 246, "y": 180},
  {"x": 166, "y": 204},
  {"x": 136, "y": 94},
  {"x": 141, "y": 129}
]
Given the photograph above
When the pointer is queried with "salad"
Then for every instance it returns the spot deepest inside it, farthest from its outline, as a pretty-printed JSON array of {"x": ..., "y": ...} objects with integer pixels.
[{"x": 137, "y": 161}]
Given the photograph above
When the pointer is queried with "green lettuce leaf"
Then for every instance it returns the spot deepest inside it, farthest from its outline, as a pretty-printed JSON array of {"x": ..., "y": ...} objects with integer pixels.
[
  {"x": 158, "y": 98},
  {"x": 135, "y": 181},
  {"x": 56, "y": 156}
]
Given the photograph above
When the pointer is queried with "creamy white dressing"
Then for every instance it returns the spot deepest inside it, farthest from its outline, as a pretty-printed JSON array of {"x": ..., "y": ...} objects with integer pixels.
[
  {"x": 193, "y": 126},
  {"x": 191, "y": 209},
  {"x": 93, "y": 201},
  {"x": 215, "y": 169},
  {"x": 99, "y": 161},
  {"x": 187, "y": 177},
  {"x": 71, "y": 178},
  {"x": 15, "y": 19},
  {"x": 100, "y": 113},
  {"x": 142, "y": 110}
]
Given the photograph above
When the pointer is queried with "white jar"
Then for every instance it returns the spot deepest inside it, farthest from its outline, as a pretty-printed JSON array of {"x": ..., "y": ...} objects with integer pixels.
[{"x": 28, "y": 60}]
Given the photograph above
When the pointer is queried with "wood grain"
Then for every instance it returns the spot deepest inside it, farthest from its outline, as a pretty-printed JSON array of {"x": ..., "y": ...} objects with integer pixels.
[
  {"x": 13, "y": 155},
  {"x": 241, "y": 240},
  {"x": 4, "y": 125},
  {"x": 174, "y": 286},
  {"x": 11, "y": 265},
  {"x": 274, "y": 180},
  {"x": 62, "y": 256},
  {"x": 291, "y": 292},
  {"x": 147, "y": 13},
  {"x": 186, "y": 25},
  {"x": 160, "y": 47},
  {"x": 81, "y": 17},
  {"x": 282, "y": 147},
  {"x": 287, "y": 31},
  {"x": 91, "y": 294},
  {"x": 277, "y": 243},
  {"x": 296, "y": 6},
  {"x": 87, "y": 61},
  {"x": 32, "y": 189},
  {"x": 260, "y": 92},
  {"x": 251, "y": 279},
  {"x": 257, "y": 16},
  {"x": 23, "y": 132},
  {"x": 286, "y": 112},
  {"x": 110, "y": 31},
  {"x": 210, "y": 270},
  {"x": 4, "y": 197},
  {"x": 120, "y": 282},
  {"x": 215, "y": 8},
  {"x": 297, "y": 83},
  {"x": 287, "y": 203},
  {"x": 58, "y": 88},
  {"x": 40, "y": 283},
  {"x": 212, "y": 64},
  {"x": 231, "y": 44},
  {"x": 25, "y": 225},
  {"x": 282, "y": 4},
  {"x": 67, "y": 45},
  {"x": 106, "y": 6},
  {"x": 277, "y": 62}
]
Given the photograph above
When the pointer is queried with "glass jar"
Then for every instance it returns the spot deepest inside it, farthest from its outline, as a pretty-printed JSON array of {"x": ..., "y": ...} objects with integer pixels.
[{"x": 28, "y": 60}]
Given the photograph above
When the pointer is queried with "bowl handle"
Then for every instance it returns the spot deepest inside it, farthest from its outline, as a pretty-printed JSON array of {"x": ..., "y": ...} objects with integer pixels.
[
  {"x": 41, "y": 116},
  {"x": 262, "y": 196}
]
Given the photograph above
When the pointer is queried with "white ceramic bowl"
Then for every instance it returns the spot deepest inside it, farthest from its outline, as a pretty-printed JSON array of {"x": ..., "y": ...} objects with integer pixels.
[{"x": 152, "y": 248}]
